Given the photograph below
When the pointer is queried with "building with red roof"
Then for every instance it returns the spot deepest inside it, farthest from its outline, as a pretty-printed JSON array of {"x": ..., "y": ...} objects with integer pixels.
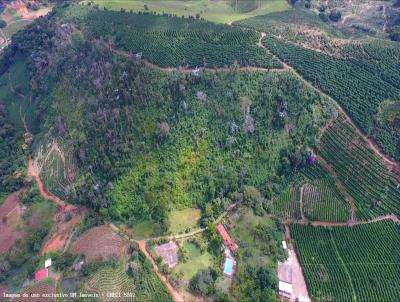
[
  {"x": 227, "y": 239},
  {"x": 42, "y": 274}
]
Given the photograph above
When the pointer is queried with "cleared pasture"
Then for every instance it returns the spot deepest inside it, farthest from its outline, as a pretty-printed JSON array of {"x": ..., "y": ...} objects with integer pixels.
[{"x": 213, "y": 10}]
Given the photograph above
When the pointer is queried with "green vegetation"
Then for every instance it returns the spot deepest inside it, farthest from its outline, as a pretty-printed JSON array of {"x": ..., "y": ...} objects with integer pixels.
[
  {"x": 287, "y": 203},
  {"x": 196, "y": 261},
  {"x": 365, "y": 177},
  {"x": 259, "y": 240},
  {"x": 358, "y": 85},
  {"x": 173, "y": 41},
  {"x": 358, "y": 263},
  {"x": 150, "y": 141},
  {"x": 389, "y": 112},
  {"x": 109, "y": 280},
  {"x": 182, "y": 220},
  {"x": 21, "y": 261},
  {"x": 12, "y": 157},
  {"x": 160, "y": 150},
  {"x": 293, "y": 25},
  {"x": 315, "y": 191},
  {"x": 15, "y": 94},
  {"x": 148, "y": 286},
  {"x": 144, "y": 229},
  {"x": 203, "y": 282},
  {"x": 56, "y": 162},
  {"x": 134, "y": 280},
  {"x": 213, "y": 10},
  {"x": 321, "y": 199}
]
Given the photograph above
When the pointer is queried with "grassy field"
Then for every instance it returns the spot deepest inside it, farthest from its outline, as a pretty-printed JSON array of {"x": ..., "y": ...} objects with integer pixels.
[
  {"x": 143, "y": 229},
  {"x": 181, "y": 220},
  {"x": 252, "y": 245},
  {"x": 196, "y": 261},
  {"x": 212, "y": 10}
]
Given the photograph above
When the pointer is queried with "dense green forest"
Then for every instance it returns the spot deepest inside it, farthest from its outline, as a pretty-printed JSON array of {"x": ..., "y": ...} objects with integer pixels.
[
  {"x": 12, "y": 156},
  {"x": 146, "y": 141}
]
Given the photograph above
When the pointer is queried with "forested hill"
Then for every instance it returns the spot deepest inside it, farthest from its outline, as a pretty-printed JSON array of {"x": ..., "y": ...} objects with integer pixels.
[{"x": 133, "y": 142}]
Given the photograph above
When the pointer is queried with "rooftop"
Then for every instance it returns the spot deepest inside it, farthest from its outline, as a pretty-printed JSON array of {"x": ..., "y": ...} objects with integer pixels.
[
  {"x": 227, "y": 239},
  {"x": 42, "y": 274}
]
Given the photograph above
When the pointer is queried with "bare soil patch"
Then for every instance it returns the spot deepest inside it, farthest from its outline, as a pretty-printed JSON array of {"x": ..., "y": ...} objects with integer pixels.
[
  {"x": 101, "y": 243},
  {"x": 18, "y": 8},
  {"x": 59, "y": 238},
  {"x": 9, "y": 205},
  {"x": 290, "y": 271},
  {"x": 10, "y": 219},
  {"x": 168, "y": 252},
  {"x": 8, "y": 237}
]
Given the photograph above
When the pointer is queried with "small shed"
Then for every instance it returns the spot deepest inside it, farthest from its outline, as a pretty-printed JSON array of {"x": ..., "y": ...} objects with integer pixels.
[
  {"x": 47, "y": 263},
  {"x": 42, "y": 274},
  {"x": 78, "y": 266},
  {"x": 284, "y": 245}
]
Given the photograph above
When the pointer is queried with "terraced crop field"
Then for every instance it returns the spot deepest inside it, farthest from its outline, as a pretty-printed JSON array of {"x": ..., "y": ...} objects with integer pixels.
[
  {"x": 358, "y": 263},
  {"x": 108, "y": 280},
  {"x": 357, "y": 84},
  {"x": 55, "y": 163},
  {"x": 287, "y": 204},
  {"x": 322, "y": 200},
  {"x": 313, "y": 192},
  {"x": 146, "y": 287},
  {"x": 374, "y": 188},
  {"x": 173, "y": 41}
]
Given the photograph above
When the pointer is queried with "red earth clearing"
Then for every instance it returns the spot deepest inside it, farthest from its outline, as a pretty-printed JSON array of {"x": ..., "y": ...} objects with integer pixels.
[
  {"x": 101, "y": 243},
  {"x": 10, "y": 218}
]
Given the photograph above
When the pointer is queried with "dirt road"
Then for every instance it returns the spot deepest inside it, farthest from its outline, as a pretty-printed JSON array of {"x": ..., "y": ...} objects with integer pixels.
[
  {"x": 350, "y": 223},
  {"x": 178, "y": 296}
]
